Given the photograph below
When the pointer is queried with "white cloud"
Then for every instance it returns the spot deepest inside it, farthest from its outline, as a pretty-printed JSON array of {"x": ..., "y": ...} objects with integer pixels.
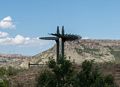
[
  {"x": 85, "y": 38},
  {"x": 22, "y": 41},
  {"x": 35, "y": 42},
  {"x": 3, "y": 34},
  {"x": 7, "y": 22},
  {"x": 5, "y": 39},
  {"x": 19, "y": 40}
]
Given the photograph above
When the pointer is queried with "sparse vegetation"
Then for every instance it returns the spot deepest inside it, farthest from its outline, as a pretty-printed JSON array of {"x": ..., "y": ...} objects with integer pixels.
[
  {"x": 4, "y": 83},
  {"x": 5, "y": 73},
  {"x": 90, "y": 76},
  {"x": 64, "y": 75},
  {"x": 93, "y": 51},
  {"x": 78, "y": 50},
  {"x": 115, "y": 53},
  {"x": 75, "y": 76},
  {"x": 87, "y": 50}
]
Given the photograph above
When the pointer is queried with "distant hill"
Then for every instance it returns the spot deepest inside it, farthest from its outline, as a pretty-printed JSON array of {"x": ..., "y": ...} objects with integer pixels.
[
  {"x": 11, "y": 55},
  {"x": 86, "y": 49},
  {"x": 14, "y": 60}
]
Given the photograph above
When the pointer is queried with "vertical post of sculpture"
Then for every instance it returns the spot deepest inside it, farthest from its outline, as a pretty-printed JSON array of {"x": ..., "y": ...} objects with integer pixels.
[
  {"x": 62, "y": 42},
  {"x": 64, "y": 37},
  {"x": 57, "y": 48}
]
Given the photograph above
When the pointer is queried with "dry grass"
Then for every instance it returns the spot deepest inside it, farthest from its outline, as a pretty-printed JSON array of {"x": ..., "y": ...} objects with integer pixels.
[{"x": 27, "y": 78}]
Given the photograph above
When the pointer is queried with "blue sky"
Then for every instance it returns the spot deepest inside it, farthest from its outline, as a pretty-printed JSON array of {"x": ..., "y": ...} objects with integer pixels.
[{"x": 23, "y": 21}]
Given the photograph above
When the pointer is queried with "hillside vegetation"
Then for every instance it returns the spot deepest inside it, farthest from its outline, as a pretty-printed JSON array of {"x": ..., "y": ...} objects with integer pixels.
[{"x": 80, "y": 50}]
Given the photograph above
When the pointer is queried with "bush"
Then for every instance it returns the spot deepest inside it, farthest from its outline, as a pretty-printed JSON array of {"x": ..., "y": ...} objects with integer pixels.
[
  {"x": 12, "y": 71},
  {"x": 5, "y": 73},
  {"x": 4, "y": 83},
  {"x": 62, "y": 74},
  {"x": 46, "y": 79},
  {"x": 90, "y": 76}
]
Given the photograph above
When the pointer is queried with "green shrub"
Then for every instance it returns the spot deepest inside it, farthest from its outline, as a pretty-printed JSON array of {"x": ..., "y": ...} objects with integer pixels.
[
  {"x": 3, "y": 83},
  {"x": 3, "y": 71},
  {"x": 46, "y": 79},
  {"x": 62, "y": 74},
  {"x": 90, "y": 76},
  {"x": 12, "y": 71}
]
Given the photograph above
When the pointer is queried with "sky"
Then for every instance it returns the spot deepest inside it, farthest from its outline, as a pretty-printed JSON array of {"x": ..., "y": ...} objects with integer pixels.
[{"x": 22, "y": 22}]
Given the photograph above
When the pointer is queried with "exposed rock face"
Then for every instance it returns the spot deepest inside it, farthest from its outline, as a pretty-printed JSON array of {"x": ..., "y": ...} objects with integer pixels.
[{"x": 80, "y": 50}]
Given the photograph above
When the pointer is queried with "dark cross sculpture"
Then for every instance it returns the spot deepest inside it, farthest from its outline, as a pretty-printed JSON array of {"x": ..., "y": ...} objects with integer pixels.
[{"x": 64, "y": 37}]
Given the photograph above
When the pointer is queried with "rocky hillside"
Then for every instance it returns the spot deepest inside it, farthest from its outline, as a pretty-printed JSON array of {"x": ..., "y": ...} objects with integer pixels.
[
  {"x": 86, "y": 49},
  {"x": 14, "y": 60}
]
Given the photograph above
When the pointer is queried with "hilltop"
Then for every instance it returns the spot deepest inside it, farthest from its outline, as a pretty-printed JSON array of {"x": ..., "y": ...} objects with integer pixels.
[{"x": 85, "y": 49}]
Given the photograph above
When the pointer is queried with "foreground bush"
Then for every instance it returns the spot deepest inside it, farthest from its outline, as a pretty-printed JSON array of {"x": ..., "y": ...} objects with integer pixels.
[
  {"x": 4, "y": 83},
  {"x": 63, "y": 74},
  {"x": 90, "y": 76},
  {"x": 47, "y": 79},
  {"x": 5, "y": 73}
]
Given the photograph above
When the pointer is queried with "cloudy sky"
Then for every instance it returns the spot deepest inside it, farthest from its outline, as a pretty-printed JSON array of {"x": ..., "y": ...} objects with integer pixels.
[{"x": 22, "y": 22}]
